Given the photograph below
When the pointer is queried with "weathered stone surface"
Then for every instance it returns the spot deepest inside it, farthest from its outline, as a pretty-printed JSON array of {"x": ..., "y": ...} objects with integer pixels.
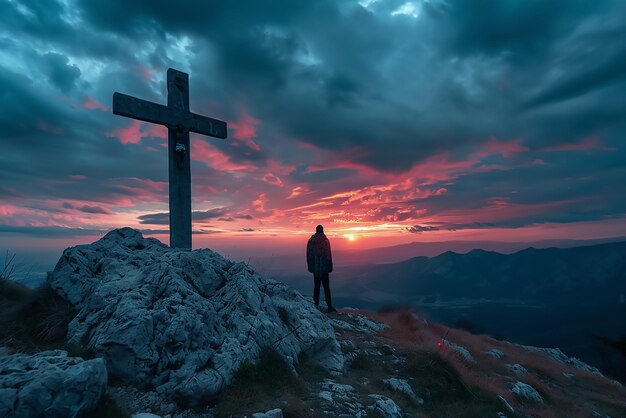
[
  {"x": 464, "y": 352},
  {"x": 402, "y": 386},
  {"x": 517, "y": 369},
  {"x": 495, "y": 353},
  {"x": 341, "y": 399},
  {"x": 527, "y": 392},
  {"x": 358, "y": 323},
  {"x": 557, "y": 355},
  {"x": 183, "y": 321},
  {"x": 273, "y": 413},
  {"x": 49, "y": 384},
  {"x": 385, "y": 407}
]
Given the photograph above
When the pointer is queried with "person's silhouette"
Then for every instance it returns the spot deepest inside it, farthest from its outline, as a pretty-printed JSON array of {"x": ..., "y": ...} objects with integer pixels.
[{"x": 320, "y": 262}]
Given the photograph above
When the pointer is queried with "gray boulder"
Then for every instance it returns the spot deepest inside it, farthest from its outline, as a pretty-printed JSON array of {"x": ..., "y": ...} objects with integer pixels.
[
  {"x": 49, "y": 384},
  {"x": 402, "y": 386},
  {"x": 385, "y": 407},
  {"x": 526, "y": 391},
  {"x": 183, "y": 321}
]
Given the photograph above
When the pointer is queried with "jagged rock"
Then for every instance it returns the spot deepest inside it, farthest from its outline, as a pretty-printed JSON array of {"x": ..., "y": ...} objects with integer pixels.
[
  {"x": 385, "y": 407},
  {"x": 326, "y": 395},
  {"x": 359, "y": 323},
  {"x": 557, "y": 355},
  {"x": 347, "y": 345},
  {"x": 464, "y": 352},
  {"x": 144, "y": 415},
  {"x": 49, "y": 384},
  {"x": 342, "y": 399},
  {"x": 273, "y": 413},
  {"x": 517, "y": 369},
  {"x": 402, "y": 386},
  {"x": 494, "y": 352},
  {"x": 526, "y": 391},
  {"x": 183, "y": 321}
]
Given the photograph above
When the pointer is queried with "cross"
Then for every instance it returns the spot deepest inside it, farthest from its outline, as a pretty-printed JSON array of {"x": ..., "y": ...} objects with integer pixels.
[{"x": 179, "y": 121}]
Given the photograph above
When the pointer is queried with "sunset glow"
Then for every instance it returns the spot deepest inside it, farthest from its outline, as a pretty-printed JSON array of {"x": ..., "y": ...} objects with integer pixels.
[{"x": 417, "y": 130}]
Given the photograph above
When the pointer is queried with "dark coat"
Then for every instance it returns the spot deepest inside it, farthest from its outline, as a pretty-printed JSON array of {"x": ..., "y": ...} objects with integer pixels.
[{"x": 318, "y": 256}]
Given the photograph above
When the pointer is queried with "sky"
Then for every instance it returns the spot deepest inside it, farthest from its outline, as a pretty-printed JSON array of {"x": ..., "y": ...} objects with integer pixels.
[{"x": 386, "y": 121}]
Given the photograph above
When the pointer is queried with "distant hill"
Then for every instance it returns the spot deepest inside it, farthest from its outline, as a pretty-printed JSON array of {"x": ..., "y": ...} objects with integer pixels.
[
  {"x": 403, "y": 252},
  {"x": 551, "y": 275},
  {"x": 572, "y": 298}
]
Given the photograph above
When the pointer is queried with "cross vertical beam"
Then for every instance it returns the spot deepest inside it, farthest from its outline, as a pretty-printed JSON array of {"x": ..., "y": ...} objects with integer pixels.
[
  {"x": 179, "y": 121},
  {"x": 179, "y": 162}
]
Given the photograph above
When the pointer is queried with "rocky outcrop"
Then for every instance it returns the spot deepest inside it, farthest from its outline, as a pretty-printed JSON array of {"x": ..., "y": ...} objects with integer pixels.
[
  {"x": 183, "y": 321},
  {"x": 385, "y": 407},
  {"x": 402, "y": 386},
  {"x": 526, "y": 391},
  {"x": 557, "y": 355},
  {"x": 49, "y": 384}
]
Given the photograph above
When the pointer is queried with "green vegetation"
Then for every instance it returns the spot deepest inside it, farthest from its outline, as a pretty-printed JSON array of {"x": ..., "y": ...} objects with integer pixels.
[
  {"x": 265, "y": 385},
  {"x": 107, "y": 408},
  {"x": 447, "y": 394},
  {"x": 33, "y": 320}
]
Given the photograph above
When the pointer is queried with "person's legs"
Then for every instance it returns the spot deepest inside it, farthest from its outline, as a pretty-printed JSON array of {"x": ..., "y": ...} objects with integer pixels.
[
  {"x": 326, "y": 282},
  {"x": 316, "y": 289}
]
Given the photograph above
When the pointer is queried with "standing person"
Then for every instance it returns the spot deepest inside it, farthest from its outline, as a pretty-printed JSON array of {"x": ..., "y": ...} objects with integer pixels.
[{"x": 320, "y": 262}]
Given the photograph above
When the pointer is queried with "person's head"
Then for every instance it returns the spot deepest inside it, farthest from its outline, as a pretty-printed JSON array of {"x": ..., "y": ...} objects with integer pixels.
[{"x": 319, "y": 229}]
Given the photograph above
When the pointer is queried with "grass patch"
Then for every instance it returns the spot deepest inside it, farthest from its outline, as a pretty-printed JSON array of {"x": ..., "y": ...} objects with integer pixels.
[
  {"x": 309, "y": 371},
  {"x": 38, "y": 319},
  {"x": 262, "y": 386},
  {"x": 444, "y": 391},
  {"x": 361, "y": 362},
  {"x": 107, "y": 408}
]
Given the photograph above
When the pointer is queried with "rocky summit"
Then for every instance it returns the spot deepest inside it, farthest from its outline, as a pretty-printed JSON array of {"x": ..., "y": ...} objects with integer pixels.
[{"x": 183, "y": 322}]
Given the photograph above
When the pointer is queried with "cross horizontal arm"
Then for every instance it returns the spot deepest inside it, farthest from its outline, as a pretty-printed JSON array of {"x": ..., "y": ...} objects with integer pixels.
[
  {"x": 135, "y": 108},
  {"x": 207, "y": 126}
]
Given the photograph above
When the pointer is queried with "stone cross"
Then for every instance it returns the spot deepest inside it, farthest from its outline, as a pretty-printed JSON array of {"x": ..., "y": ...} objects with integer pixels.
[{"x": 179, "y": 121}]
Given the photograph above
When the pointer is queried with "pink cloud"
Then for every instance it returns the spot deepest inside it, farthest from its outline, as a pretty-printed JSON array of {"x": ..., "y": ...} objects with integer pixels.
[
  {"x": 138, "y": 130},
  {"x": 506, "y": 149},
  {"x": 245, "y": 130},
  {"x": 205, "y": 152},
  {"x": 91, "y": 104}
]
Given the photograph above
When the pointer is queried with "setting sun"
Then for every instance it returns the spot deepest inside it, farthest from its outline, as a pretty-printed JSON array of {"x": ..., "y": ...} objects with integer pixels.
[{"x": 350, "y": 237}]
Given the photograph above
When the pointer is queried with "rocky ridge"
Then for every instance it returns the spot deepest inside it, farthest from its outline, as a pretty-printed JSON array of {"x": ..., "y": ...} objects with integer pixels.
[
  {"x": 183, "y": 322},
  {"x": 174, "y": 329}
]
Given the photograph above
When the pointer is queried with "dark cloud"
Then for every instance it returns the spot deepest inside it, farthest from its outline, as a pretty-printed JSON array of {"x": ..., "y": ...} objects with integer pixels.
[
  {"x": 58, "y": 70},
  {"x": 88, "y": 208},
  {"x": 416, "y": 229},
  {"x": 49, "y": 231},
  {"x": 163, "y": 218},
  {"x": 337, "y": 97}
]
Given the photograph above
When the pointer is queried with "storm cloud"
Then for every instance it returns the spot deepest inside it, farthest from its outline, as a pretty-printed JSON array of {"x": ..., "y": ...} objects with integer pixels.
[{"x": 424, "y": 116}]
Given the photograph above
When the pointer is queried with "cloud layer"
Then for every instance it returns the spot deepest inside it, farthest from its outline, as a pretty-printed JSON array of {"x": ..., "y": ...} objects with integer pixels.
[{"x": 381, "y": 117}]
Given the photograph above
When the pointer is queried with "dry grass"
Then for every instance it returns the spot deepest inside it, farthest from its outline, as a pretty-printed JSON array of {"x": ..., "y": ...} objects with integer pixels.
[
  {"x": 265, "y": 385},
  {"x": 573, "y": 397},
  {"x": 35, "y": 320}
]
